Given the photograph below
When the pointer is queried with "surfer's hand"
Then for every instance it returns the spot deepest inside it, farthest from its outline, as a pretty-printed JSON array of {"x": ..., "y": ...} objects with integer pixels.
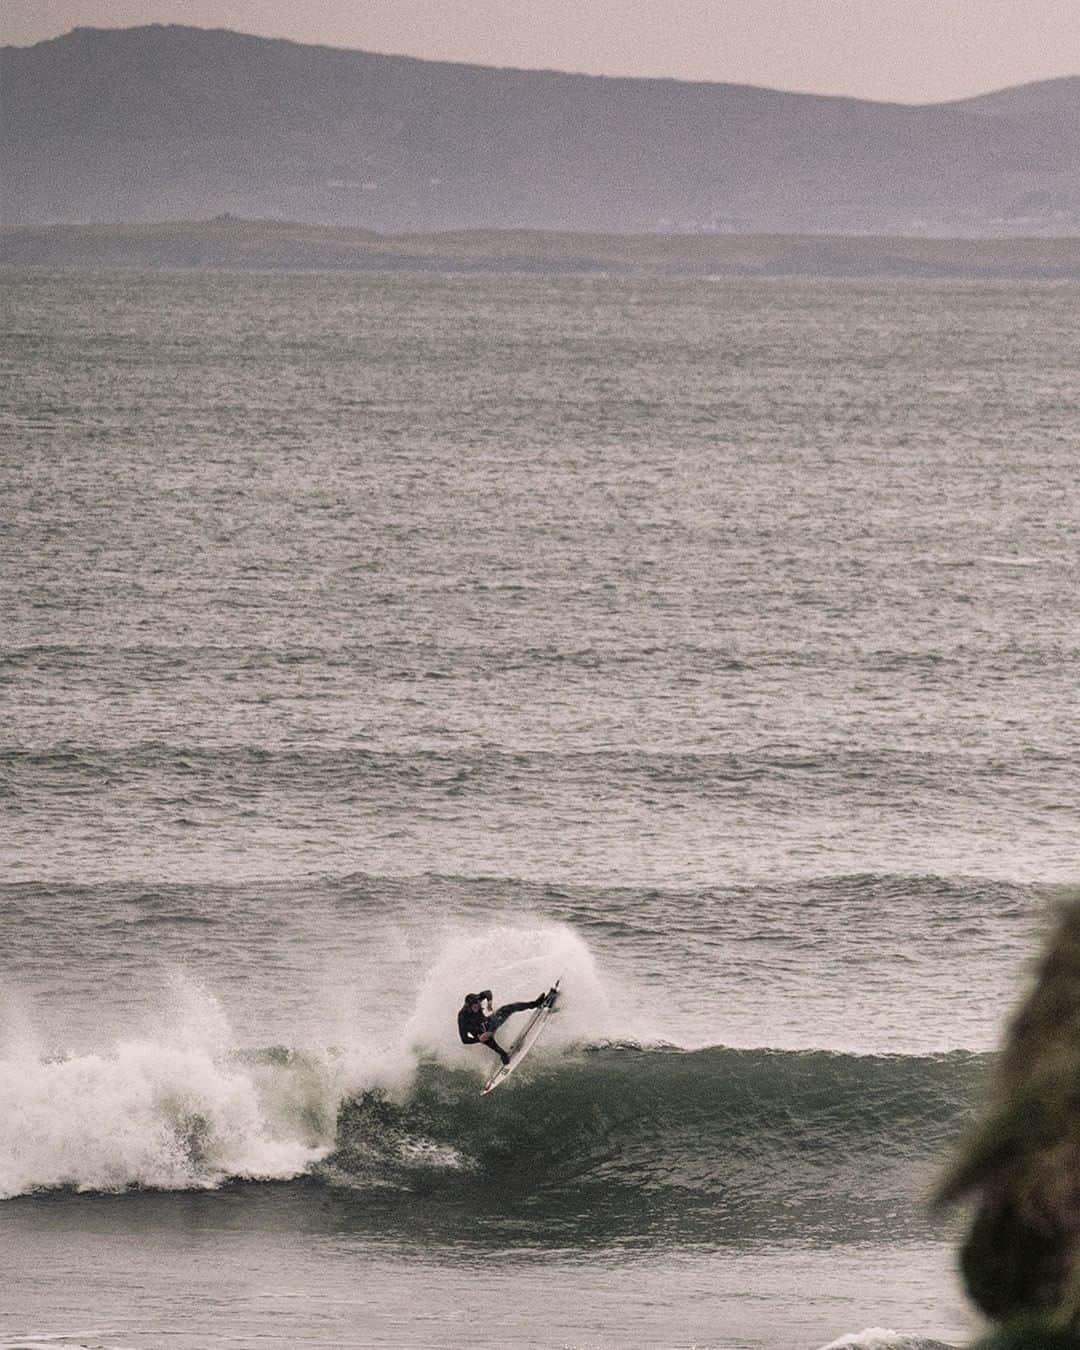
[{"x": 484, "y": 1036}]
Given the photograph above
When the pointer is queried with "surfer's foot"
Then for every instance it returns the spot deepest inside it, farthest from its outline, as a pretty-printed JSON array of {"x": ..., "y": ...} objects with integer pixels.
[
  {"x": 539, "y": 1002},
  {"x": 505, "y": 1060}
]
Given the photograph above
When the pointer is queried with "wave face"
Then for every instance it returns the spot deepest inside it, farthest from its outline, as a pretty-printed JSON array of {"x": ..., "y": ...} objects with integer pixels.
[{"x": 714, "y": 1144}]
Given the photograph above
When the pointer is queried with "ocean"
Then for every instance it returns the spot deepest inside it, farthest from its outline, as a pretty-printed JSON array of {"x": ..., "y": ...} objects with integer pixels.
[{"x": 368, "y": 639}]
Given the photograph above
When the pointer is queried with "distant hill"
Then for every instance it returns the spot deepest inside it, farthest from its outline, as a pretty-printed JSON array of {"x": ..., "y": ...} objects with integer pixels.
[
  {"x": 230, "y": 243},
  {"x": 173, "y": 123}
]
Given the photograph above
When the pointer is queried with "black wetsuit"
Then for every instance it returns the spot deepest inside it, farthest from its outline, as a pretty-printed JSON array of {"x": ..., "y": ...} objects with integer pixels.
[{"x": 471, "y": 1024}]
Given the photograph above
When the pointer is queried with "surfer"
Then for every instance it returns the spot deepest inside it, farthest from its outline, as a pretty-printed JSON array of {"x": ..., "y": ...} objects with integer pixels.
[{"x": 477, "y": 1025}]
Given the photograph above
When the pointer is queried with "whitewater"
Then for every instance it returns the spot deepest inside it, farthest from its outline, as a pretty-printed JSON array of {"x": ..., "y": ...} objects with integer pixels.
[{"x": 368, "y": 640}]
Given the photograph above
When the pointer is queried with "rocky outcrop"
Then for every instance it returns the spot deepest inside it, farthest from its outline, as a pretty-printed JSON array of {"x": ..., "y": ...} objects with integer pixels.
[{"x": 1021, "y": 1166}]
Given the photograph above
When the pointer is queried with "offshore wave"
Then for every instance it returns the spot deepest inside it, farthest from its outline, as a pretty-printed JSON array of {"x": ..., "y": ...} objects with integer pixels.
[
  {"x": 152, "y": 785},
  {"x": 621, "y": 908},
  {"x": 419, "y": 661},
  {"x": 87, "y": 765}
]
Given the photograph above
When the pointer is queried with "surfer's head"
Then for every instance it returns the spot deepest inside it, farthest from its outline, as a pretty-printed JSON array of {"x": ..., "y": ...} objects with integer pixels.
[{"x": 470, "y": 999}]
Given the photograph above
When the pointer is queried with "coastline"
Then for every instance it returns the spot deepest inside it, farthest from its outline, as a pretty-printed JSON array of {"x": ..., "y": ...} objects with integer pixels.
[{"x": 228, "y": 242}]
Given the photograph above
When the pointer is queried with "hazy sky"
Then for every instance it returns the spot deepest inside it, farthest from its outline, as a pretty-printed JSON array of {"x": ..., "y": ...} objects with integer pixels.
[{"x": 907, "y": 50}]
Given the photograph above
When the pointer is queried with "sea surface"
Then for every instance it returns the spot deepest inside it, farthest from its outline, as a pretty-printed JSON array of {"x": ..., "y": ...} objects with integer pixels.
[{"x": 365, "y": 640}]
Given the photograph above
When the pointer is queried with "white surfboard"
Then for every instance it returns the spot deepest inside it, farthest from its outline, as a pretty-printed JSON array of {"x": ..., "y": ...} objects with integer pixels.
[{"x": 525, "y": 1042}]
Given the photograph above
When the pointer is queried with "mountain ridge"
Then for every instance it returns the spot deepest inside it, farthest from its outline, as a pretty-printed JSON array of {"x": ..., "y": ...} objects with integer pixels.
[
  {"x": 171, "y": 122},
  {"x": 95, "y": 30}
]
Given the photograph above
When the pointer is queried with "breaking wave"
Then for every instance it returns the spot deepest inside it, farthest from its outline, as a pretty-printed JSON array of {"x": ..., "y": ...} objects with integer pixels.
[
  {"x": 605, "y": 1127},
  {"x": 706, "y": 1143}
]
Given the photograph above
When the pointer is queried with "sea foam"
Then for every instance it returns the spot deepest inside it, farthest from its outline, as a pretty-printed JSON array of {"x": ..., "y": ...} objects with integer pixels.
[
  {"x": 179, "y": 1109},
  {"x": 517, "y": 960},
  {"x": 881, "y": 1338}
]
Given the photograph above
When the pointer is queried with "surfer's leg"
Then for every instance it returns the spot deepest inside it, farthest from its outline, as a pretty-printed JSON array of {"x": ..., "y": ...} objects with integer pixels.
[
  {"x": 493, "y": 1044},
  {"x": 499, "y": 1016}
]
